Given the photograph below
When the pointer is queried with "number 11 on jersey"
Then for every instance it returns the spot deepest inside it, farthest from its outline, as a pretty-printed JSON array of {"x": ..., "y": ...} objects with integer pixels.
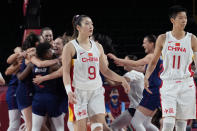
[{"x": 174, "y": 60}]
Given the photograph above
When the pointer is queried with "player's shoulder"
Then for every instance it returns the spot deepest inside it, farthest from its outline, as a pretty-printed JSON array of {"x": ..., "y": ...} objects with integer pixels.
[
  {"x": 193, "y": 41},
  {"x": 193, "y": 36},
  {"x": 161, "y": 40},
  {"x": 162, "y": 37},
  {"x": 98, "y": 45},
  {"x": 69, "y": 48},
  {"x": 69, "y": 45}
]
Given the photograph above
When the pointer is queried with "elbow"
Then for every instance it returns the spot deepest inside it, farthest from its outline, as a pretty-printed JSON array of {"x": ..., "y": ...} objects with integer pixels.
[
  {"x": 60, "y": 74},
  {"x": 7, "y": 72},
  {"x": 9, "y": 62},
  {"x": 19, "y": 77},
  {"x": 3, "y": 81},
  {"x": 105, "y": 72}
]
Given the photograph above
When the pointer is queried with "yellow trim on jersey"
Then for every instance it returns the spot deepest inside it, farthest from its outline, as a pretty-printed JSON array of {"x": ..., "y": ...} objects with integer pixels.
[
  {"x": 72, "y": 62},
  {"x": 71, "y": 114}
]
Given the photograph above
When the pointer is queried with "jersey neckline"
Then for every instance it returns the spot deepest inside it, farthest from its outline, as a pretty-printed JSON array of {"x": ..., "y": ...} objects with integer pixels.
[
  {"x": 82, "y": 47},
  {"x": 178, "y": 39}
]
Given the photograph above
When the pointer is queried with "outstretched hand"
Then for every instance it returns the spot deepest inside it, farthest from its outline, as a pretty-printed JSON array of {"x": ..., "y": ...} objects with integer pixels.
[
  {"x": 112, "y": 56},
  {"x": 117, "y": 61},
  {"x": 126, "y": 86}
]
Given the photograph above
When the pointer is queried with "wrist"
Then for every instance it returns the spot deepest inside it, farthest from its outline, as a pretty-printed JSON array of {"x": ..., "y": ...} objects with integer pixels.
[
  {"x": 57, "y": 61},
  {"x": 123, "y": 80},
  {"x": 145, "y": 77},
  {"x": 68, "y": 88}
]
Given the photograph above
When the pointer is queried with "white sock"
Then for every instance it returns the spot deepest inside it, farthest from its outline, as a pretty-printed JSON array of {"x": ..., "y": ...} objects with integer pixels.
[
  {"x": 168, "y": 123},
  {"x": 138, "y": 120},
  {"x": 181, "y": 125},
  {"x": 37, "y": 122},
  {"x": 149, "y": 126},
  {"x": 70, "y": 126},
  {"x": 121, "y": 121},
  {"x": 58, "y": 122},
  {"x": 14, "y": 120}
]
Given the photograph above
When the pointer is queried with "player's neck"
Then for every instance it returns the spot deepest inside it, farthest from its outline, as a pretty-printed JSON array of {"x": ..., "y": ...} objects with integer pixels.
[
  {"x": 83, "y": 39},
  {"x": 152, "y": 51},
  {"x": 178, "y": 33}
]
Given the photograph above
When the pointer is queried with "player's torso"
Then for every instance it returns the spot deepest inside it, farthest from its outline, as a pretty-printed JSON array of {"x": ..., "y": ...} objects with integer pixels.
[
  {"x": 177, "y": 57},
  {"x": 86, "y": 67},
  {"x": 46, "y": 86}
]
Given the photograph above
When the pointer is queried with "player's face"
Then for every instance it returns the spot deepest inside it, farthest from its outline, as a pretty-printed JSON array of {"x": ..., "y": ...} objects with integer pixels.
[
  {"x": 180, "y": 20},
  {"x": 47, "y": 35},
  {"x": 147, "y": 45},
  {"x": 86, "y": 27},
  {"x": 58, "y": 46}
]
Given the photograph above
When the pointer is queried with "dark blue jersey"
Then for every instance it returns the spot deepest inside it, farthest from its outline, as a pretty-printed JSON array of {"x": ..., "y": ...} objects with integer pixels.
[
  {"x": 24, "y": 92},
  {"x": 13, "y": 84},
  {"x": 13, "y": 81},
  {"x": 152, "y": 101},
  {"x": 11, "y": 93},
  {"x": 28, "y": 80},
  {"x": 49, "y": 95},
  {"x": 60, "y": 88},
  {"x": 49, "y": 86},
  {"x": 154, "y": 79}
]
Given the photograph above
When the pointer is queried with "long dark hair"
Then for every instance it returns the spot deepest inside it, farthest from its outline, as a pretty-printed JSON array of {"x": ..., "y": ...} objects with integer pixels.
[
  {"x": 77, "y": 21},
  {"x": 30, "y": 41}
]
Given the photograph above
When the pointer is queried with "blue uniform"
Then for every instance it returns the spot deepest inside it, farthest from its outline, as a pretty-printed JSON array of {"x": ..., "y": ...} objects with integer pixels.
[
  {"x": 24, "y": 92},
  {"x": 11, "y": 93},
  {"x": 46, "y": 100},
  {"x": 62, "y": 94},
  {"x": 152, "y": 101}
]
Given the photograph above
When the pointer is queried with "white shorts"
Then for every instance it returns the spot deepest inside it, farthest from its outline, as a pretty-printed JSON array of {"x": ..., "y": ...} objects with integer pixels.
[
  {"x": 89, "y": 103},
  {"x": 178, "y": 99}
]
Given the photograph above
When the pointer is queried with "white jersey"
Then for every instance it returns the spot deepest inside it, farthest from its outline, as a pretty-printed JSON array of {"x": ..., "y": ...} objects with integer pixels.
[
  {"x": 177, "y": 57},
  {"x": 86, "y": 75},
  {"x": 137, "y": 87}
]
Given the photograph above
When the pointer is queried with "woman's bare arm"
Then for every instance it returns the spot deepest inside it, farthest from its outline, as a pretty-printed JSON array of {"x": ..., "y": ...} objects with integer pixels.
[
  {"x": 26, "y": 72},
  {"x": 53, "y": 75},
  {"x": 2, "y": 81},
  {"x": 45, "y": 63}
]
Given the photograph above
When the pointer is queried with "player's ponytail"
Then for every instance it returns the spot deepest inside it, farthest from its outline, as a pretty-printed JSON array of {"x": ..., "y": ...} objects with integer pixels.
[{"x": 77, "y": 21}]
